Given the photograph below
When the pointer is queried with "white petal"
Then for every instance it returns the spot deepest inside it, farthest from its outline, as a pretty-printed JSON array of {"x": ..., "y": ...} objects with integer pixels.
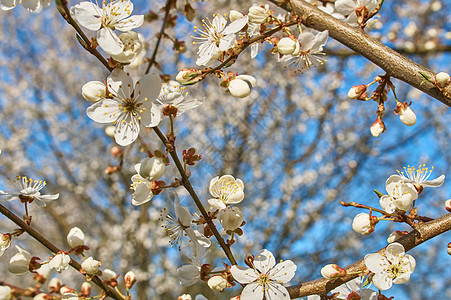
[
  {"x": 183, "y": 215},
  {"x": 127, "y": 130},
  {"x": 88, "y": 15},
  {"x": 142, "y": 194},
  {"x": 375, "y": 262},
  {"x": 104, "y": 111},
  {"x": 243, "y": 275},
  {"x": 32, "y": 5},
  {"x": 435, "y": 182},
  {"x": 43, "y": 200},
  {"x": 109, "y": 41},
  {"x": 148, "y": 87},
  {"x": 403, "y": 278},
  {"x": 236, "y": 25},
  {"x": 283, "y": 272},
  {"x": 227, "y": 42},
  {"x": 264, "y": 261},
  {"x": 7, "y": 4},
  {"x": 198, "y": 237},
  {"x": 345, "y": 7},
  {"x": 382, "y": 281},
  {"x": 130, "y": 23},
  {"x": 252, "y": 291},
  {"x": 394, "y": 250},
  {"x": 216, "y": 203},
  {"x": 276, "y": 291},
  {"x": 120, "y": 84},
  {"x": 188, "y": 275},
  {"x": 211, "y": 187}
]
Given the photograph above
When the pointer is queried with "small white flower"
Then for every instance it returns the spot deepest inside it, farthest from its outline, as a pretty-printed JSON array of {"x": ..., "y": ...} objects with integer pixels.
[
  {"x": 253, "y": 30},
  {"x": 86, "y": 288},
  {"x": 400, "y": 194},
  {"x": 176, "y": 227},
  {"x": 406, "y": 114},
  {"x": 442, "y": 79},
  {"x": 114, "y": 15},
  {"x": 310, "y": 52},
  {"x": 349, "y": 7},
  {"x": 377, "y": 128},
  {"x": 241, "y": 86},
  {"x": 353, "y": 288},
  {"x": 393, "y": 266},
  {"x": 5, "y": 242},
  {"x": 259, "y": 14},
  {"x": 60, "y": 262},
  {"x": 75, "y": 237},
  {"x": 186, "y": 76},
  {"x": 217, "y": 37},
  {"x": 265, "y": 279},
  {"x": 190, "y": 274},
  {"x": 133, "y": 45},
  {"x": 217, "y": 283},
  {"x": 225, "y": 190},
  {"x": 19, "y": 264},
  {"x": 28, "y": 190},
  {"x": 419, "y": 177},
  {"x": 173, "y": 95},
  {"x": 127, "y": 105},
  {"x": 91, "y": 266},
  {"x": 5, "y": 292},
  {"x": 231, "y": 218},
  {"x": 361, "y": 224}
]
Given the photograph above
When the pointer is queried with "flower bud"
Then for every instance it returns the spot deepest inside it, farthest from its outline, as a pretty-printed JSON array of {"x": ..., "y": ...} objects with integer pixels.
[
  {"x": 5, "y": 292},
  {"x": 286, "y": 45},
  {"x": 69, "y": 296},
  {"x": 362, "y": 224},
  {"x": 86, "y": 289},
  {"x": 91, "y": 266},
  {"x": 75, "y": 237},
  {"x": 241, "y": 86},
  {"x": 332, "y": 271},
  {"x": 60, "y": 262},
  {"x": 395, "y": 235},
  {"x": 109, "y": 131},
  {"x": 55, "y": 285},
  {"x": 152, "y": 168},
  {"x": 448, "y": 249},
  {"x": 43, "y": 273},
  {"x": 258, "y": 14},
  {"x": 94, "y": 91},
  {"x": 186, "y": 76},
  {"x": 357, "y": 91},
  {"x": 66, "y": 290},
  {"x": 442, "y": 79},
  {"x": 235, "y": 15},
  {"x": 406, "y": 114},
  {"x": 5, "y": 242},
  {"x": 19, "y": 264},
  {"x": 110, "y": 277},
  {"x": 231, "y": 218},
  {"x": 377, "y": 128},
  {"x": 217, "y": 283},
  {"x": 116, "y": 151},
  {"x": 41, "y": 296},
  {"x": 129, "y": 279},
  {"x": 448, "y": 205},
  {"x": 184, "y": 297}
]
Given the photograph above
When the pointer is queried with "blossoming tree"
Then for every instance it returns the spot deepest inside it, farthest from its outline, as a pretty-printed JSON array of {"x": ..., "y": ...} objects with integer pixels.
[{"x": 213, "y": 146}]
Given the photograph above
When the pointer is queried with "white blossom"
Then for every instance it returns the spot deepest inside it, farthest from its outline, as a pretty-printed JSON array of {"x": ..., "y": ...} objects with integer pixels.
[
  {"x": 5, "y": 292},
  {"x": 400, "y": 194},
  {"x": 190, "y": 274},
  {"x": 217, "y": 283},
  {"x": 91, "y": 266},
  {"x": 361, "y": 224},
  {"x": 114, "y": 15},
  {"x": 393, "y": 266},
  {"x": 94, "y": 91},
  {"x": 44, "y": 271},
  {"x": 5, "y": 242},
  {"x": 127, "y": 105},
  {"x": 60, "y": 262},
  {"x": 259, "y": 13},
  {"x": 173, "y": 95},
  {"x": 130, "y": 279},
  {"x": 348, "y": 8},
  {"x": 19, "y": 264},
  {"x": 225, "y": 190},
  {"x": 419, "y": 177},
  {"x": 352, "y": 289},
  {"x": 29, "y": 190},
  {"x": 442, "y": 79},
  {"x": 406, "y": 114},
  {"x": 217, "y": 37},
  {"x": 332, "y": 271},
  {"x": 75, "y": 237},
  {"x": 149, "y": 170},
  {"x": 133, "y": 45},
  {"x": 287, "y": 45},
  {"x": 265, "y": 279},
  {"x": 377, "y": 128},
  {"x": 30, "y": 5}
]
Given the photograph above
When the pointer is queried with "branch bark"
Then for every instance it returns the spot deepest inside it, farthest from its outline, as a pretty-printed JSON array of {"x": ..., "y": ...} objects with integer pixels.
[{"x": 393, "y": 63}]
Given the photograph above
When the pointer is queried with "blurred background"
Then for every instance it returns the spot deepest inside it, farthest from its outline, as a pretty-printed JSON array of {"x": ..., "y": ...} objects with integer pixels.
[{"x": 297, "y": 142}]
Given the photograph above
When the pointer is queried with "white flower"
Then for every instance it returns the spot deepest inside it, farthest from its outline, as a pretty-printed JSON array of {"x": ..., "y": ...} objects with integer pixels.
[
  {"x": 419, "y": 177},
  {"x": 442, "y": 79},
  {"x": 377, "y": 128},
  {"x": 75, "y": 237},
  {"x": 142, "y": 190},
  {"x": 5, "y": 292},
  {"x": 28, "y": 191},
  {"x": 177, "y": 226},
  {"x": 109, "y": 276},
  {"x": 406, "y": 114},
  {"x": 190, "y": 274},
  {"x": 393, "y": 266},
  {"x": 361, "y": 224},
  {"x": 114, "y": 15},
  {"x": 259, "y": 14},
  {"x": 310, "y": 52},
  {"x": 173, "y": 96},
  {"x": 86, "y": 288},
  {"x": 186, "y": 76},
  {"x": 217, "y": 37},
  {"x": 60, "y": 262},
  {"x": 91, "y": 266},
  {"x": 225, "y": 190},
  {"x": 19, "y": 264},
  {"x": 400, "y": 194},
  {"x": 30, "y": 5},
  {"x": 133, "y": 45},
  {"x": 5, "y": 242},
  {"x": 241, "y": 86},
  {"x": 265, "y": 278},
  {"x": 231, "y": 218},
  {"x": 40, "y": 296},
  {"x": 217, "y": 283},
  {"x": 349, "y": 7},
  {"x": 128, "y": 106},
  {"x": 353, "y": 288}
]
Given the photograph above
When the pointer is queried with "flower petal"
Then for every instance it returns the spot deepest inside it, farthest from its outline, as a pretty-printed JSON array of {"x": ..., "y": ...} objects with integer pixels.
[
  {"x": 435, "y": 182},
  {"x": 188, "y": 275},
  {"x": 109, "y": 41},
  {"x": 264, "y": 261},
  {"x": 32, "y": 5},
  {"x": 104, "y": 111},
  {"x": 130, "y": 23},
  {"x": 148, "y": 88},
  {"x": 198, "y": 237},
  {"x": 382, "y": 281},
  {"x": 236, "y": 25},
  {"x": 142, "y": 193},
  {"x": 87, "y": 14},
  {"x": 283, "y": 272},
  {"x": 277, "y": 291},
  {"x": 243, "y": 275},
  {"x": 375, "y": 262},
  {"x": 127, "y": 130},
  {"x": 252, "y": 291}
]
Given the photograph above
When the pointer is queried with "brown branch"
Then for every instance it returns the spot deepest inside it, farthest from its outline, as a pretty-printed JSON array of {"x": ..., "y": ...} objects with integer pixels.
[
  {"x": 390, "y": 61},
  {"x": 424, "y": 232},
  {"x": 37, "y": 236},
  {"x": 417, "y": 51}
]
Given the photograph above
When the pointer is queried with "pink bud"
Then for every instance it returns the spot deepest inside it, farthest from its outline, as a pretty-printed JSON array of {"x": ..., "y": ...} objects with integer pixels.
[
  {"x": 377, "y": 128},
  {"x": 357, "y": 91},
  {"x": 449, "y": 249},
  {"x": 448, "y": 205},
  {"x": 116, "y": 151},
  {"x": 332, "y": 271},
  {"x": 130, "y": 279},
  {"x": 85, "y": 289}
]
